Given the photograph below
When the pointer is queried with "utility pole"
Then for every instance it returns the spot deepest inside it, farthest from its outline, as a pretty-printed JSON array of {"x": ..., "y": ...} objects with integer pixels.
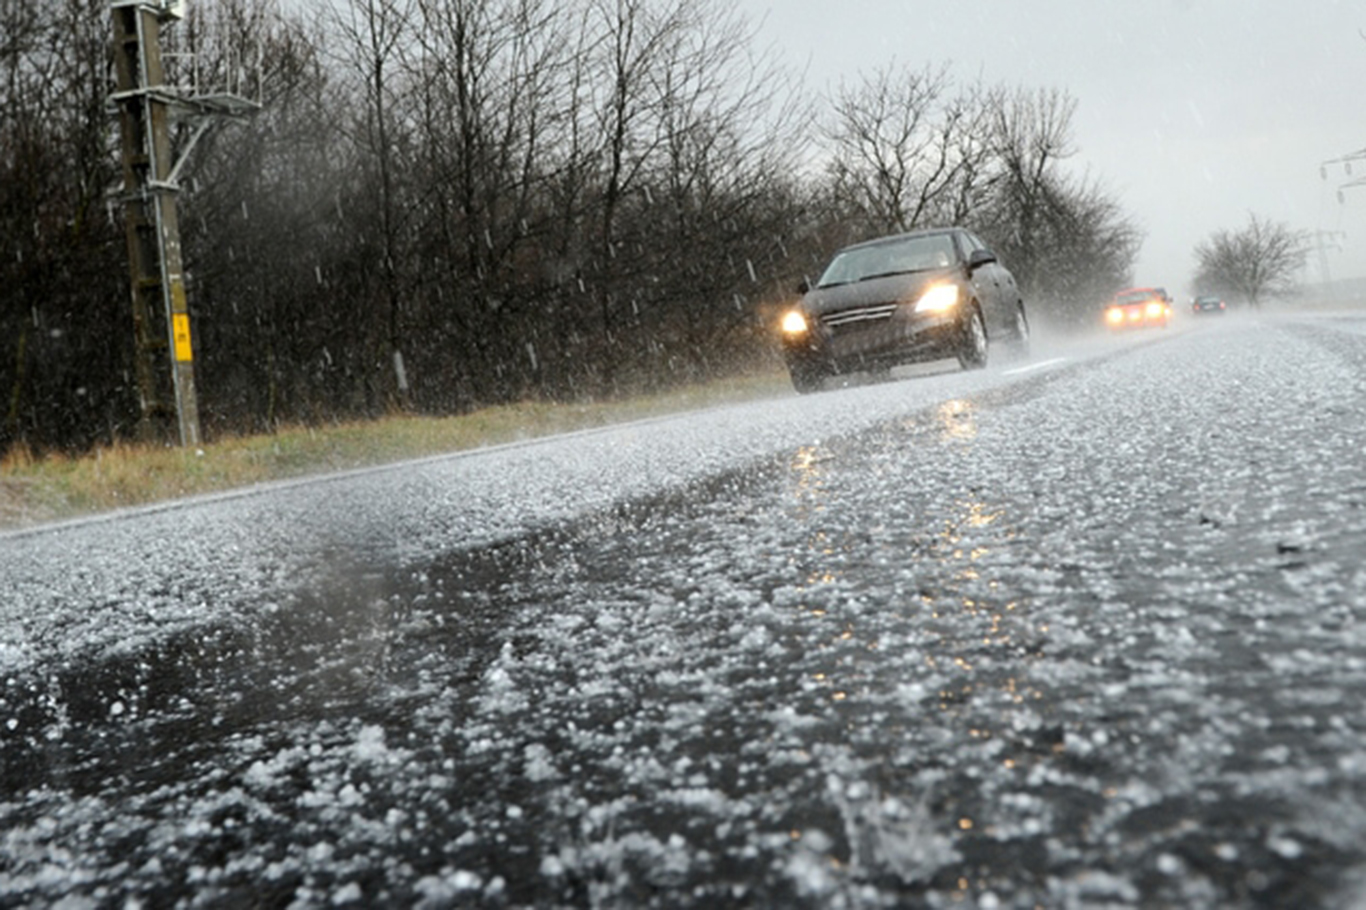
[
  {"x": 146, "y": 110},
  {"x": 1323, "y": 242}
]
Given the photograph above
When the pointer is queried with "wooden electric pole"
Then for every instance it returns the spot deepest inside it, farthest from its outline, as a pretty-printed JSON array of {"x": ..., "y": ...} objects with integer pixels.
[{"x": 146, "y": 109}]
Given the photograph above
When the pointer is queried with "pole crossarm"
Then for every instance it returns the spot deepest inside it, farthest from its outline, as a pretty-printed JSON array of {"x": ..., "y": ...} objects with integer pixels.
[
  {"x": 1344, "y": 160},
  {"x": 202, "y": 112},
  {"x": 1342, "y": 196}
]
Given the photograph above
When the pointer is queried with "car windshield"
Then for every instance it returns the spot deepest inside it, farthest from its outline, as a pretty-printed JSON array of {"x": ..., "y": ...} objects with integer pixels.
[
  {"x": 1134, "y": 297},
  {"x": 907, "y": 254}
]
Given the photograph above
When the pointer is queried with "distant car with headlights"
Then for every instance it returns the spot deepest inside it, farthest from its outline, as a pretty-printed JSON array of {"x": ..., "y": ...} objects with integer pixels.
[
  {"x": 925, "y": 295},
  {"x": 1208, "y": 304},
  {"x": 1139, "y": 308}
]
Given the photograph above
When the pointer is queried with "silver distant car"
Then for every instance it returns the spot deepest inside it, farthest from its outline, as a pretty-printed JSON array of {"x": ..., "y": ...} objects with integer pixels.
[{"x": 1208, "y": 303}]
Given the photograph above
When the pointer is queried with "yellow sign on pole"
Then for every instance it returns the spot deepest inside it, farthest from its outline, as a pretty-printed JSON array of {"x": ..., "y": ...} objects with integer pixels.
[{"x": 184, "y": 353}]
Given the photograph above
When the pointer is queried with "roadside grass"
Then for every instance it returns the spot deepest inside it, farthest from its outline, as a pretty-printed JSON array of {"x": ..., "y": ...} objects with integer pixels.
[{"x": 37, "y": 490}]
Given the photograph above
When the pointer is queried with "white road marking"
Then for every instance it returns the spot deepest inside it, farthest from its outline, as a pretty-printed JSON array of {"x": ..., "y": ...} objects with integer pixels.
[{"x": 1029, "y": 368}]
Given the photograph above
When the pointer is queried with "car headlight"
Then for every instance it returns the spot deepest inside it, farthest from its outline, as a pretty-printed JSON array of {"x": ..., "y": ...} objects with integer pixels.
[
  {"x": 939, "y": 299},
  {"x": 1114, "y": 315},
  {"x": 794, "y": 323},
  {"x": 1156, "y": 310}
]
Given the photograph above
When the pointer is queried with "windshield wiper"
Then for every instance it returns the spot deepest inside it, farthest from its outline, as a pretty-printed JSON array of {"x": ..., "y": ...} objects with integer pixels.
[{"x": 891, "y": 273}]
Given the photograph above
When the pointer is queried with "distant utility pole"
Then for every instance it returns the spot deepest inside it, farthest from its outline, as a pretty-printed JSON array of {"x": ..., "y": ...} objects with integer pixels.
[
  {"x": 146, "y": 109},
  {"x": 1323, "y": 242}
]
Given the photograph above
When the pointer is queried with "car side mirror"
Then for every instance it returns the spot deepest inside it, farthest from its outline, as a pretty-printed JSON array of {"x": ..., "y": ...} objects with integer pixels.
[
  {"x": 978, "y": 258},
  {"x": 803, "y": 286}
]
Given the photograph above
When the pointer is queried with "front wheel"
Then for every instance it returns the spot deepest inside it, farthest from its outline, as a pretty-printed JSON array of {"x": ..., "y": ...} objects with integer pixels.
[
  {"x": 1019, "y": 342},
  {"x": 972, "y": 350}
]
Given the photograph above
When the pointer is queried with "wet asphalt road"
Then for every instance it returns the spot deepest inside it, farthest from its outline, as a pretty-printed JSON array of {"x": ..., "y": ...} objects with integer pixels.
[{"x": 1088, "y": 634}]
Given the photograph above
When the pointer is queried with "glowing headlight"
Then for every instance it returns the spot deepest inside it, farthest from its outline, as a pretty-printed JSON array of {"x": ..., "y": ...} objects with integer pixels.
[
  {"x": 1114, "y": 315},
  {"x": 939, "y": 299},
  {"x": 1156, "y": 310},
  {"x": 794, "y": 323}
]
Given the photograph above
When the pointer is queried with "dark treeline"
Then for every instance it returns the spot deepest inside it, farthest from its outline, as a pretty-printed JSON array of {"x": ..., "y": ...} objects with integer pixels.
[{"x": 445, "y": 204}]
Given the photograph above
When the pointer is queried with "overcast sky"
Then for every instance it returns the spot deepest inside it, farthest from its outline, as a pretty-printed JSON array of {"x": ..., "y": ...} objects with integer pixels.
[{"x": 1193, "y": 112}]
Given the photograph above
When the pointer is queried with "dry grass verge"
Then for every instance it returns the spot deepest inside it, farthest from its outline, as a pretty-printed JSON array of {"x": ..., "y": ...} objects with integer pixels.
[{"x": 39, "y": 490}]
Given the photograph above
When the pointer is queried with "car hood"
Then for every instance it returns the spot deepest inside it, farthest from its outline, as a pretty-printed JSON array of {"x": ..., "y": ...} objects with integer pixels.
[{"x": 873, "y": 291}]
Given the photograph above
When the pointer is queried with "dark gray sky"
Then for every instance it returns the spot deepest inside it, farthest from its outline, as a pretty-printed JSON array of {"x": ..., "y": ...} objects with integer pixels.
[{"x": 1193, "y": 112}]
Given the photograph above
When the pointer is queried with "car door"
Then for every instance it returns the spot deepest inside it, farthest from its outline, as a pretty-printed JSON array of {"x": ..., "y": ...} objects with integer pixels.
[
  {"x": 1007, "y": 295},
  {"x": 986, "y": 284}
]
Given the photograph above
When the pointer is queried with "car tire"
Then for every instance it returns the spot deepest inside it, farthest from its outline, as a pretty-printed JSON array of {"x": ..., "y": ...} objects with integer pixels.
[
  {"x": 1019, "y": 342},
  {"x": 972, "y": 349},
  {"x": 806, "y": 379}
]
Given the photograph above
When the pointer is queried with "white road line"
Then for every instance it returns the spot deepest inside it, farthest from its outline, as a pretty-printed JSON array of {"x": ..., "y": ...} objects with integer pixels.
[{"x": 1029, "y": 368}]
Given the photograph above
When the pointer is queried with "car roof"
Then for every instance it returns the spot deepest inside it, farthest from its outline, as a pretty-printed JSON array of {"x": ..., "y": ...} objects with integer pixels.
[{"x": 906, "y": 235}]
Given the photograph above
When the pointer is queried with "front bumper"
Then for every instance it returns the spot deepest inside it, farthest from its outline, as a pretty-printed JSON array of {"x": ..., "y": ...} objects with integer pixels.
[
  {"x": 854, "y": 345},
  {"x": 1120, "y": 319}
]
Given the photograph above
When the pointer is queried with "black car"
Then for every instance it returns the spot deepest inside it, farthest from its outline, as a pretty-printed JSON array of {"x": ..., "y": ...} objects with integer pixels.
[
  {"x": 1207, "y": 303},
  {"x": 926, "y": 295}
]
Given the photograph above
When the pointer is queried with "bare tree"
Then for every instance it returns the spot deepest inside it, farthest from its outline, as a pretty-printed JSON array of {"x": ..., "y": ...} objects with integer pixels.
[
  {"x": 1082, "y": 249},
  {"x": 1066, "y": 238},
  {"x": 372, "y": 35},
  {"x": 494, "y": 84},
  {"x": 1031, "y": 136},
  {"x": 271, "y": 256},
  {"x": 727, "y": 126},
  {"x": 634, "y": 35},
  {"x": 903, "y": 150},
  {"x": 1262, "y": 260},
  {"x": 63, "y": 290}
]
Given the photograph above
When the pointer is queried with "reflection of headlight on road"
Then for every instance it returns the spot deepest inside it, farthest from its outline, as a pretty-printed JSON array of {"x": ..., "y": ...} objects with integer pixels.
[
  {"x": 794, "y": 323},
  {"x": 939, "y": 299}
]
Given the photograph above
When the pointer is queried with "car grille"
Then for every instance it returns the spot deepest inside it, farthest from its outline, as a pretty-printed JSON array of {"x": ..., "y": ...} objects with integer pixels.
[{"x": 847, "y": 320}]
